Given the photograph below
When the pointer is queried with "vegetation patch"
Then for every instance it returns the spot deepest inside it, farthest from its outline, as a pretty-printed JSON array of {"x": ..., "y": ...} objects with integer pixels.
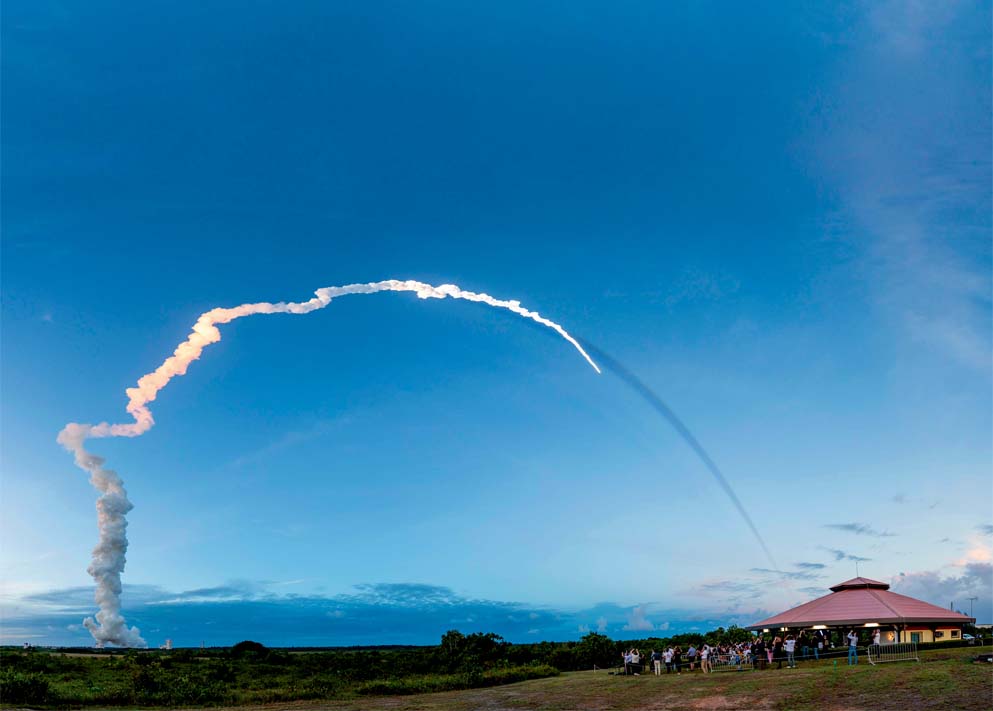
[{"x": 471, "y": 671}]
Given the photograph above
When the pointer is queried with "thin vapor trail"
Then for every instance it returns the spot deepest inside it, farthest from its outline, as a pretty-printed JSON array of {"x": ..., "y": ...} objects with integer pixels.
[
  {"x": 113, "y": 504},
  {"x": 636, "y": 384}
]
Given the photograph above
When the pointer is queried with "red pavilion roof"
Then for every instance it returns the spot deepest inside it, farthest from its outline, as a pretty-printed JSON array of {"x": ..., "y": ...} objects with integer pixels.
[
  {"x": 860, "y": 583},
  {"x": 862, "y": 600}
]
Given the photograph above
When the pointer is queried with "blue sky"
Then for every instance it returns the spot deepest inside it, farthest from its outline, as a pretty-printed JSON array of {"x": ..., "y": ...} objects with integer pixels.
[{"x": 777, "y": 217}]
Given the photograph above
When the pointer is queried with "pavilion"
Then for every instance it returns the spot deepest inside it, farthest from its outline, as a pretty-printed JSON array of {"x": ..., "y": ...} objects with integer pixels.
[{"x": 862, "y": 603}]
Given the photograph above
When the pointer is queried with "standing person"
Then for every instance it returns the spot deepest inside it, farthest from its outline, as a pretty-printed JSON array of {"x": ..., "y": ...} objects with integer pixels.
[
  {"x": 790, "y": 646},
  {"x": 677, "y": 659},
  {"x": 668, "y": 660},
  {"x": 769, "y": 649},
  {"x": 691, "y": 656},
  {"x": 764, "y": 652},
  {"x": 777, "y": 651},
  {"x": 636, "y": 661},
  {"x": 875, "y": 637},
  {"x": 804, "y": 645},
  {"x": 818, "y": 645},
  {"x": 656, "y": 663},
  {"x": 705, "y": 658},
  {"x": 853, "y": 652}
]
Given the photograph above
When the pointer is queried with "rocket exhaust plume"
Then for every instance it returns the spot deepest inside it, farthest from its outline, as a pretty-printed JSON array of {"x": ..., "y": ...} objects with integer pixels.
[
  {"x": 113, "y": 504},
  {"x": 636, "y": 384}
]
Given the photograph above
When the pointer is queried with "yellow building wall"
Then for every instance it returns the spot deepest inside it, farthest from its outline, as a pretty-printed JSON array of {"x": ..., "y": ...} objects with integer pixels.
[
  {"x": 947, "y": 634},
  {"x": 926, "y": 637}
]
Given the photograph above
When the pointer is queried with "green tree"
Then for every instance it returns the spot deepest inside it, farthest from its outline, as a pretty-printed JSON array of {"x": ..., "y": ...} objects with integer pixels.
[
  {"x": 736, "y": 634},
  {"x": 594, "y": 648},
  {"x": 248, "y": 647}
]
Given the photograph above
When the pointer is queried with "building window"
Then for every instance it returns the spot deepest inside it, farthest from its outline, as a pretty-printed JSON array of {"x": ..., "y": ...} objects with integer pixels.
[
  {"x": 939, "y": 634},
  {"x": 955, "y": 634}
]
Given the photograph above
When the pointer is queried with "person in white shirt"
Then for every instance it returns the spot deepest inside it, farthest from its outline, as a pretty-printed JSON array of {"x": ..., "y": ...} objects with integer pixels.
[
  {"x": 668, "y": 660},
  {"x": 853, "y": 653},
  {"x": 705, "y": 659},
  {"x": 875, "y": 637},
  {"x": 790, "y": 647}
]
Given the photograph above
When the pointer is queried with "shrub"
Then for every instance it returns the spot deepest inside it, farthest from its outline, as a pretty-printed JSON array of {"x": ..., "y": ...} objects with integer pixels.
[
  {"x": 189, "y": 689},
  {"x": 427, "y": 683},
  {"x": 321, "y": 687},
  {"x": 246, "y": 647},
  {"x": 22, "y": 687},
  {"x": 512, "y": 675}
]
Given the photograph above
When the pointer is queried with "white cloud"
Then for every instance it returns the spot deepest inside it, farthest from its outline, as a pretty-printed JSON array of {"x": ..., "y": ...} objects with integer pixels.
[
  {"x": 974, "y": 580},
  {"x": 637, "y": 620},
  {"x": 906, "y": 143}
]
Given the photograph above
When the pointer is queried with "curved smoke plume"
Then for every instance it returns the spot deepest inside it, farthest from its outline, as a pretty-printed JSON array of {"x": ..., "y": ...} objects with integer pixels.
[{"x": 113, "y": 505}]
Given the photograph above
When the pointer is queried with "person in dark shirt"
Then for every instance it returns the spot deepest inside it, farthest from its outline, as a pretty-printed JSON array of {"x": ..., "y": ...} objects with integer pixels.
[{"x": 758, "y": 653}]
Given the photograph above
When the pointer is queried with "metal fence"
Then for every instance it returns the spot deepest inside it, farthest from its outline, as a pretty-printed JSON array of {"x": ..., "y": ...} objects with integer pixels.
[
  {"x": 729, "y": 662},
  {"x": 899, "y": 652}
]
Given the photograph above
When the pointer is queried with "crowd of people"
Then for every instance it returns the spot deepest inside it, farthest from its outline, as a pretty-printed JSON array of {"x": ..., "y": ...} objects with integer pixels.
[{"x": 759, "y": 653}]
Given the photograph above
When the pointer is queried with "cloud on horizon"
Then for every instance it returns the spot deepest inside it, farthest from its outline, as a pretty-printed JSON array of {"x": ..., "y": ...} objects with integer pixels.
[
  {"x": 975, "y": 580},
  {"x": 376, "y": 613}
]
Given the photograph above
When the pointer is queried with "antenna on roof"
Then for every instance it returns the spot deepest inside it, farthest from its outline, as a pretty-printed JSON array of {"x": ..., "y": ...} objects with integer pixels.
[{"x": 856, "y": 569}]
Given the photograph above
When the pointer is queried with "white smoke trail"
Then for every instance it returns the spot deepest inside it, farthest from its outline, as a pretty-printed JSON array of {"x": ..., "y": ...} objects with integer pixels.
[{"x": 113, "y": 505}]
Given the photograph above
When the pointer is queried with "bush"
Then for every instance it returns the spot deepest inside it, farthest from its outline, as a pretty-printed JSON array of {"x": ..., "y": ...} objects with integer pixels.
[
  {"x": 322, "y": 687},
  {"x": 427, "y": 683},
  {"x": 247, "y": 647},
  {"x": 512, "y": 675},
  {"x": 188, "y": 689},
  {"x": 22, "y": 687}
]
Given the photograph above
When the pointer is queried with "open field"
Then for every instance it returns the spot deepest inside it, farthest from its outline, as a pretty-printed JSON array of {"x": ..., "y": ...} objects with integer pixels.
[{"x": 943, "y": 680}]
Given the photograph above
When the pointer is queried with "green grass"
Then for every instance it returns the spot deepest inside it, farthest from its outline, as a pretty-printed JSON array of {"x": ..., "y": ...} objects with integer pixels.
[{"x": 945, "y": 679}]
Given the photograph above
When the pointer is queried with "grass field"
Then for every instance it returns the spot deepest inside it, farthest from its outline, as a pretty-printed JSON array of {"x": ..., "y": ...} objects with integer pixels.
[{"x": 943, "y": 680}]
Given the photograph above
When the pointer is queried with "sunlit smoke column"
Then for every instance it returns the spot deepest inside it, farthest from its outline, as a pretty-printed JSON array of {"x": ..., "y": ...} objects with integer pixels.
[
  {"x": 109, "y": 554},
  {"x": 113, "y": 504}
]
